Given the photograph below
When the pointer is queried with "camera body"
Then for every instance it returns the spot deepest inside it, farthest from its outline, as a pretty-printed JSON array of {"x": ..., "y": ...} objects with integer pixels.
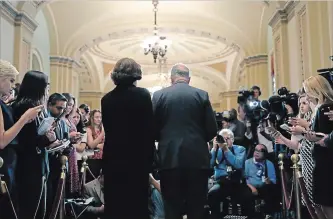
[
  {"x": 220, "y": 139},
  {"x": 277, "y": 109}
]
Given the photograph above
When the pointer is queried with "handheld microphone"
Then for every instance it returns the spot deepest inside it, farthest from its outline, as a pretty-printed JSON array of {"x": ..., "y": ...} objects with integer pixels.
[{"x": 1, "y": 162}]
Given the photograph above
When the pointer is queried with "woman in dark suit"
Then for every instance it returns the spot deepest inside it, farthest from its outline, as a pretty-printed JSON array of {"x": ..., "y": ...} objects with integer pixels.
[
  {"x": 129, "y": 143},
  {"x": 32, "y": 162}
]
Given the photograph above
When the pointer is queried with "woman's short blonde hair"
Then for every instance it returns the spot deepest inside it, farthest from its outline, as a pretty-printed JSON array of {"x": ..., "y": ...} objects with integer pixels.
[{"x": 7, "y": 69}]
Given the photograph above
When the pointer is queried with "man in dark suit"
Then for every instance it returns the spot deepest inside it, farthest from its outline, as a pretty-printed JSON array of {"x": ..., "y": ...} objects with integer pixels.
[
  {"x": 129, "y": 144},
  {"x": 184, "y": 123}
]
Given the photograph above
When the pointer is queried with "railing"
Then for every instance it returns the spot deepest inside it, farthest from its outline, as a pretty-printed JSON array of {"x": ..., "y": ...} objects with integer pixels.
[{"x": 58, "y": 204}]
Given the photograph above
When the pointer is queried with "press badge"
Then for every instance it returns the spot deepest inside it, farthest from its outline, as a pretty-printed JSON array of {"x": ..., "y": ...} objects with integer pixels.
[{"x": 263, "y": 178}]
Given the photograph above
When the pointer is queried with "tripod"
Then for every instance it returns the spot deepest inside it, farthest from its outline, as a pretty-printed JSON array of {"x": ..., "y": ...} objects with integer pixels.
[
  {"x": 84, "y": 169},
  {"x": 4, "y": 189}
]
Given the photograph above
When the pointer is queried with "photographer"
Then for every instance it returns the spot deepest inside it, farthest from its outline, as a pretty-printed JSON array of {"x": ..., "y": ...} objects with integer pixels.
[
  {"x": 228, "y": 162},
  {"x": 238, "y": 128}
]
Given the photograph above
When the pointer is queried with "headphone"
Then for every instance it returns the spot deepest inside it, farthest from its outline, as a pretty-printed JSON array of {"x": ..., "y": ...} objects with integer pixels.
[
  {"x": 256, "y": 88},
  {"x": 265, "y": 150}
]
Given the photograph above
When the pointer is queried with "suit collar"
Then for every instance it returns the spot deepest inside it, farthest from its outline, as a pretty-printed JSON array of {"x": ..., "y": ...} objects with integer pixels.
[{"x": 180, "y": 82}]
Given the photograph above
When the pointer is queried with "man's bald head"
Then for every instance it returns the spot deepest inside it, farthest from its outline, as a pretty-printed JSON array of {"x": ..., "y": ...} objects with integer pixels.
[{"x": 180, "y": 72}]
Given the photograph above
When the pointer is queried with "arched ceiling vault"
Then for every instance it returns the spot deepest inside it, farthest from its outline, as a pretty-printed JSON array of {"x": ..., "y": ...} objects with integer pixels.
[{"x": 211, "y": 36}]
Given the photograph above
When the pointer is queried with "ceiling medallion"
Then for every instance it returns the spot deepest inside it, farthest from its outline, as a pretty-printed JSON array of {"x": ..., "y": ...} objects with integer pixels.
[{"x": 156, "y": 45}]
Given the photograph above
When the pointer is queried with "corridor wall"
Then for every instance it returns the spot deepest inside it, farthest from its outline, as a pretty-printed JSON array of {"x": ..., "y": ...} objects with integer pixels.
[
  {"x": 6, "y": 40},
  {"x": 41, "y": 42}
]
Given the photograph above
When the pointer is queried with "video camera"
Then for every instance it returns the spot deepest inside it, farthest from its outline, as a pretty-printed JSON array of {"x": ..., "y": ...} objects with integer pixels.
[
  {"x": 277, "y": 109},
  {"x": 222, "y": 116},
  {"x": 252, "y": 106}
]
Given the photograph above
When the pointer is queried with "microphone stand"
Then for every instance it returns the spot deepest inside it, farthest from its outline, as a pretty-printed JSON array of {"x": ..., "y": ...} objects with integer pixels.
[
  {"x": 83, "y": 171},
  {"x": 295, "y": 159},
  {"x": 4, "y": 189},
  {"x": 281, "y": 167}
]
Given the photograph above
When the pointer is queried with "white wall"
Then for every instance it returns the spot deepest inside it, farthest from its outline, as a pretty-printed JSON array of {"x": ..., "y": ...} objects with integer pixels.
[
  {"x": 41, "y": 42},
  {"x": 295, "y": 74},
  {"x": 6, "y": 40}
]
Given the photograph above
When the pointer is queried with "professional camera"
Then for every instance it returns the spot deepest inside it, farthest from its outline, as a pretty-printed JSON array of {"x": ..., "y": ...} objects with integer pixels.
[
  {"x": 252, "y": 106},
  {"x": 219, "y": 138},
  {"x": 275, "y": 106}
]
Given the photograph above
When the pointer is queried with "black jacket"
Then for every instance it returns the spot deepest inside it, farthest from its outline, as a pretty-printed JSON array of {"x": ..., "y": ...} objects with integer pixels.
[
  {"x": 128, "y": 151},
  {"x": 184, "y": 123}
]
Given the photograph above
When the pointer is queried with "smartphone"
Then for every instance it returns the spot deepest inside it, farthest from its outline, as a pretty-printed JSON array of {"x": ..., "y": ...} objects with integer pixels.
[
  {"x": 285, "y": 127},
  {"x": 318, "y": 135}
]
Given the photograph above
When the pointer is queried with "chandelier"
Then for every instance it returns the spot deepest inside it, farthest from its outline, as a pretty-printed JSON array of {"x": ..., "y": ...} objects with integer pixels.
[{"x": 156, "y": 45}]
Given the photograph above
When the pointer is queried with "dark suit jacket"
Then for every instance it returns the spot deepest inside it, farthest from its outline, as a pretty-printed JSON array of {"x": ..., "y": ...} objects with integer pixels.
[
  {"x": 128, "y": 151},
  {"x": 184, "y": 123},
  {"x": 93, "y": 189},
  {"x": 239, "y": 132}
]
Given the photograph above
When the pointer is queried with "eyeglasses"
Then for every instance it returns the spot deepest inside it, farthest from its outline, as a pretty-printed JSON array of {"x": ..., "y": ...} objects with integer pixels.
[
  {"x": 60, "y": 108},
  {"x": 260, "y": 151}
]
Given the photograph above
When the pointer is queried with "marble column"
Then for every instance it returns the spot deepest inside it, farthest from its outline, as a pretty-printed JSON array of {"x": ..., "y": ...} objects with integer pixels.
[
  {"x": 24, "y": 29},
  {"x": 330, "y": 12},
  {"x": 254, "y": 71},
  {"x": 64, "y": 75},
  {"x": 93, "y": 99},
  {"x": 228, "y": 100},
  {"x": 280, "y": 43},
  {"x": 319, "y": 35}
]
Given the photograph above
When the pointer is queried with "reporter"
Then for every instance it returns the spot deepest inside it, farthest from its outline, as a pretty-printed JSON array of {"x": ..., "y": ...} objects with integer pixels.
[
  {"x": 297, "y": 142},
  {"x": 8, "y": 133},
  {"x": 320, "y": 93},
  {"x": 32, "y": 162}
]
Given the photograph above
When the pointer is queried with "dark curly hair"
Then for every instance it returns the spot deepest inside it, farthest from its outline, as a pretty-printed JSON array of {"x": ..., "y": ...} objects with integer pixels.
[{"x": 126, "y": 71}]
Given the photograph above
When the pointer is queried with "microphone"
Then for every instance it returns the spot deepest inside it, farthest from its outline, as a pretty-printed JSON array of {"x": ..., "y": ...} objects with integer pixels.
[
  {"x": 1, "y": 162},
  {"x": 2, "y": 184}
]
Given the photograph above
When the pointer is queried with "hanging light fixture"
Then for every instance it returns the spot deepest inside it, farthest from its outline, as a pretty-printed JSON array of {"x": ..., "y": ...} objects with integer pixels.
[{"x": 156, "y": 45}]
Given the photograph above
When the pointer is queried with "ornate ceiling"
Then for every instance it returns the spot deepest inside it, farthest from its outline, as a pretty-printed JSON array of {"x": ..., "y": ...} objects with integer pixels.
[
  {"x": 188, "y": 45},
  {"x": 212, "y": 37}
]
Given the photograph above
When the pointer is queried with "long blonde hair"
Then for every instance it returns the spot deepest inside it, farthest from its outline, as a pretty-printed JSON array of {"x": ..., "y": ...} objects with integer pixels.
[
  {"x": 7, "y": 69},
  {"x": 319, "y": 88}
]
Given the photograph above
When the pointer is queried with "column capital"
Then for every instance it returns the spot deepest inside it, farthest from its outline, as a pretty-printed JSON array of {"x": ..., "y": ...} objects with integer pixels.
[
  {"x": 16, "y": 17},
  {"x": 91, "y": 94},
  {"x": 231, "y": 93},
  {"x": 283, "y": 14},
  {"x": 62, "y": 61}
]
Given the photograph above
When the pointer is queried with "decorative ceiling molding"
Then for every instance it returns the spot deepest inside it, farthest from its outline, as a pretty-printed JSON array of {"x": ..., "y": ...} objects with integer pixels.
[
  {"x": 254, "y": 60},
  {"x": 94, "y": 48},
  {"x": 17, "y": 17},
  {"x": 64, "y": 62},
  {"x": 284, "y": 14}
]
